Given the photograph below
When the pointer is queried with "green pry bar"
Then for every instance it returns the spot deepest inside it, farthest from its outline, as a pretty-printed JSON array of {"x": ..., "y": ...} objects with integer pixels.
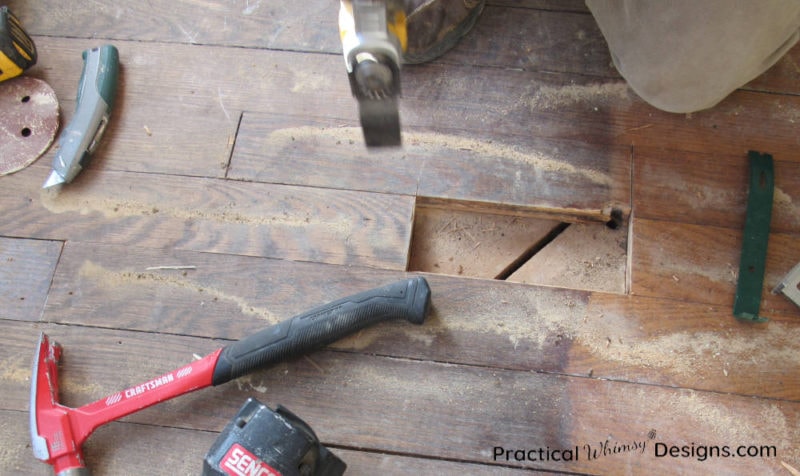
[{"x": 755, "y": 238}]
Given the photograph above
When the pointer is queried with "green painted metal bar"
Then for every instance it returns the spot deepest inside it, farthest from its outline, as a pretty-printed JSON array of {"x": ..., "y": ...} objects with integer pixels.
[{"x": 753, "y": 260}]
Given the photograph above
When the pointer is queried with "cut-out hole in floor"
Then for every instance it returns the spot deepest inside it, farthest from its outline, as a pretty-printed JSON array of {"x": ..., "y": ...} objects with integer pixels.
[{"x": 588, "y": 256}]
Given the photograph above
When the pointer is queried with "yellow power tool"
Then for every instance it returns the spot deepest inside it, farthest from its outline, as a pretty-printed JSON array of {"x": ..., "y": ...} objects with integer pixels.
[
  {"x": 373, "y": 34},
  {"x": 17, "y": 51}
]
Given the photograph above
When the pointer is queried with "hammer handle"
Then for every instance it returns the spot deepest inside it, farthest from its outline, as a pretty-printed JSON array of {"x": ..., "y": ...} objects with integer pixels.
[{"x": 408, "y": 299}]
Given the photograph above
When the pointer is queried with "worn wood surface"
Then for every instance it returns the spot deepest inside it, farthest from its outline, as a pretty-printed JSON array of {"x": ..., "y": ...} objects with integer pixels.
[
  {"x": 26, "y": 269},
  {"x": 472, "y": 244},
  {"x": 589, "y": 256},
  {"x": 234, "y": 153},
  {"x": 214, "y": 215}
]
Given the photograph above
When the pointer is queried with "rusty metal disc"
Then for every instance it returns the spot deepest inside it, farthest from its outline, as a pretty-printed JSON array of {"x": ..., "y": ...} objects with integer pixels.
[{"x": 28, "y": 122}]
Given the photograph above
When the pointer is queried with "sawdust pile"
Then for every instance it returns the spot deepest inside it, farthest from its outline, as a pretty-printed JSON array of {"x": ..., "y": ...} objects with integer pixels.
[{"x": 593, "y": 95}]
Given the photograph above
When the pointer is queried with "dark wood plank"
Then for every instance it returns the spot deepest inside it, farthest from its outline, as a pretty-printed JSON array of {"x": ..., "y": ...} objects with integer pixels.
[
  {"x": 131, "y": 448},
  {"x": 598, "y": 112},
  {"x": 475, "y": 322},
  {"x": 219, "y": 296},
  {"x": 542, "y": 35},
  {"x": 342, "y": 227},
  {"x": 26, "y": 270},
  {"x": 579, "y": 109},
  {"x": 321, "y": 154},
  {"x": 556, "y": 5},
  {"x": 701, "y": 264},
  {"x": 709, "y": 189},
  {"x": 521, "y": 172},
  {"x": 406, "y": 406},
  {"x": 310, "y": 26},
  {"x": 161, "y": 131},
  {"x": 782, "y": 77},
  {"x": 535, "y": 40},
  {"x": 537, "y": 35},
  {"x": 108, "y": 453}
]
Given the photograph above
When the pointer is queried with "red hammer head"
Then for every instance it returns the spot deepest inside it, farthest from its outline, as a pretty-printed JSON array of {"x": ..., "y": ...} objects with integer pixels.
[
  {"x": 52, "y": 436},
  {"x": 58, "y": 432}
]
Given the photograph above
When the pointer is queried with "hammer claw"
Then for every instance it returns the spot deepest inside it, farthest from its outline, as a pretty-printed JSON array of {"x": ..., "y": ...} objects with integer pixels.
[{"x": 45, "y": 368}]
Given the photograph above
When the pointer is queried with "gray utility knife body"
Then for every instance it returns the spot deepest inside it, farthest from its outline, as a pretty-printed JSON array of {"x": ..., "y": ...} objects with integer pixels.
[{"x": 96, "y": 92}]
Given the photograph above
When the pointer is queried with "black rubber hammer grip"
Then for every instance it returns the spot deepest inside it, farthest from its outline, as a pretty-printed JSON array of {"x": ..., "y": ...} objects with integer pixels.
[{"x": 408, "y": 299}]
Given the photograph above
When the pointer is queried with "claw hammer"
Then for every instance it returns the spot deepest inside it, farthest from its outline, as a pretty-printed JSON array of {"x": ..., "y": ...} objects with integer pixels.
[{"x": 58, "y": 432}]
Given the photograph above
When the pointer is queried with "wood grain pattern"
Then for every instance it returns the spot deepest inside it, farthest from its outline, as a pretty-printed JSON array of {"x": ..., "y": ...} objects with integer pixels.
[
  {"x": 212, "y": 295},
  {"x": 477, "y": 245},
  {"x": 475, "y": 322},
  {"x": 342, "y": 227},
  {"x": 536, "y": 35},
  {"x": 709, "y": 189},
  {"x": 543, "y": 107},
  {"x": 352, "y": 388},
  {"x": 701, "y": 263},
  {"x": 550, "y": 177},
  {"x": 524, "y": 32},
  {"x": 585, "y": 256},
  {"x": 128, "y": 448},
  {"x": 26, "y": 270},
  {"x": 234, "y": 153}
]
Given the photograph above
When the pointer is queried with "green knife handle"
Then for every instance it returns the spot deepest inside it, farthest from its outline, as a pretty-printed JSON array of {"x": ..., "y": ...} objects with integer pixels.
[
  {"x": 96, "y": 91},
  {"x": 100, "y": 64}
]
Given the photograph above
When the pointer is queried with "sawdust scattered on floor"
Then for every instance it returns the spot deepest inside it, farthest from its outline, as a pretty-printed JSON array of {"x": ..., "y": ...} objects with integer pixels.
[
  {"x": 471, "y": 244},
  {"x": 309, "y": 81},
  {"x": 118, "y": 207},
  {"x": 366, "y": 337},
  {"x": 593, "y": 95},
  {"x": 369, "y": 380},
  {"x": 783, "y": 202},
  {"x": 87, "y": 390},
  {"x": 248, "y": 383},
  {"x": 732, "y": 426},
  {"x": 116, "y": 280},
  {"x": 613, "y": 335},
  {"x": 679, "y": 262},
  {"x": 428, "y": 143},
  {"x": 15, "y": 370},
  {"x": 610, "y": 333},
  {"x": 519, "y": 313},
  {"x": 14, "y": 450}
]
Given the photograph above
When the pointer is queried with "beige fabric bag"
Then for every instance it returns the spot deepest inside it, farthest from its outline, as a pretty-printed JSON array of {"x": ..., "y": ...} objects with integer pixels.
[{"x": 687, "y": 55}]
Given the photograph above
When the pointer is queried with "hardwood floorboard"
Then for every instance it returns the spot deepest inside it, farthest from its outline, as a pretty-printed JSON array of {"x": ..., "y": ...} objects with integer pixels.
[
  {"x": 701, "y": 264},
  {"x": 483, "y": 407},
  {"x": 221, "y": 216},
  {"x": 233, "y": 190},
  {"x": 540, "y": 175},
  {"x": 475, "y": 322},
  {"x": 108, "y": 453},
  {"x": 26, "y": 270},
  {"x": 542, "y": 35},
  {"x": 709, "y": 189}
]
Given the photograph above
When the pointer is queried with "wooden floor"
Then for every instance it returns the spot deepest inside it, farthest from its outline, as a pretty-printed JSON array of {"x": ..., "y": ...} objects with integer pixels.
[{"x": 235, "y": 150}]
